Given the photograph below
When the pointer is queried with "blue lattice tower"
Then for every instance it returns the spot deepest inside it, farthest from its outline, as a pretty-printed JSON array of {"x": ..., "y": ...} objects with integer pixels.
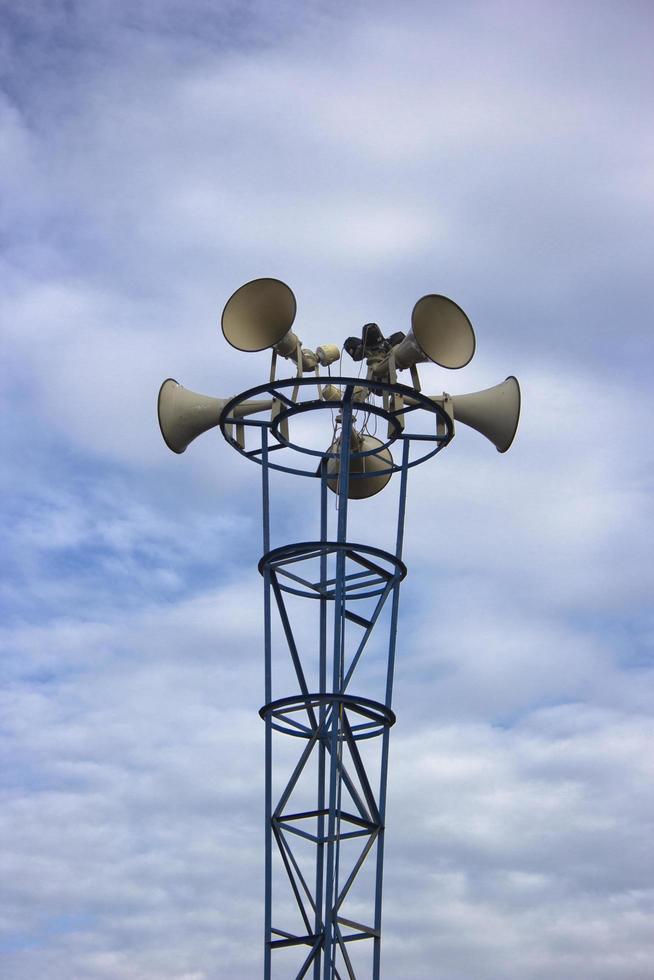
[
  {"x": 331, "y": 603},
  {"x": 326, "y": 800}
]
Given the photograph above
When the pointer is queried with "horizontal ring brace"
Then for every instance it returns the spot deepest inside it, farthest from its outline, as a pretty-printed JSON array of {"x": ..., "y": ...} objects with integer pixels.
[
  {"x": 378, "y": 715},
  {"x": 361, "y": 556},
  {"x": 400, "y": 403}
]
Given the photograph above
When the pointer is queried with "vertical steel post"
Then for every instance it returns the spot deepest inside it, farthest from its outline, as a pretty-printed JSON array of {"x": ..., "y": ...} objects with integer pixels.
[
  {"x": 383, "y": 778},
  {"x": 337, "y": 680},
  {"x": 265, "y": 502},
  {"x": 322, "y": 686}
]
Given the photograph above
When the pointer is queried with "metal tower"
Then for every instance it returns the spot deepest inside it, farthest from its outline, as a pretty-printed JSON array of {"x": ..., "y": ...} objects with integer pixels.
[{"x": 330, "y": 618}]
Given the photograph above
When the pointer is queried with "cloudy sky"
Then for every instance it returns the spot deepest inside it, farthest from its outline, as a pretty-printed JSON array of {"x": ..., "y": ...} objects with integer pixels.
[{"x": 156, "y": 155}]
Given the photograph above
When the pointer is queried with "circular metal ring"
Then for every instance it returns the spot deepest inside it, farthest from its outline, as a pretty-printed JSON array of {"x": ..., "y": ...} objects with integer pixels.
[
  {"x": 372, "y": 581},
  {"x": 379, "y": 716},
  {"x": 285, "y": 414},
  {"x": 275, "y": 391}
]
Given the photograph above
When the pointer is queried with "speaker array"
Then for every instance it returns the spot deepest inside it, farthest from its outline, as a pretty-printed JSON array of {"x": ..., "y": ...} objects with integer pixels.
[{"x": 259, "y": 316}]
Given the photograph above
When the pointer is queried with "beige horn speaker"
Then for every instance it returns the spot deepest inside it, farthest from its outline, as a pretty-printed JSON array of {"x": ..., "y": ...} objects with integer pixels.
[
  {"x": 184, "y": 414},
  {"x": 373, "y": 466},
  {"x": 260, "y": 315},
  {"x": 440, "y": 332},
  {"x": 494, "y": 412}
]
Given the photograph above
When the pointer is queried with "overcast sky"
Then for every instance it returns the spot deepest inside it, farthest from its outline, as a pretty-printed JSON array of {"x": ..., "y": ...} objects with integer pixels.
[{"x": 158, "y": 154}]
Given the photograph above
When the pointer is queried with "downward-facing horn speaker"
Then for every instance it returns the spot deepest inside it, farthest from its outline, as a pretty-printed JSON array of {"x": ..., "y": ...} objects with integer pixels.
[
  {"x": 377, "y": 467},
  {"x": 494, "y": 412},
  {"x": 440, "y": 332},
  {"x": 184, "y": 414},
  {"x": 259, "y": 315}
]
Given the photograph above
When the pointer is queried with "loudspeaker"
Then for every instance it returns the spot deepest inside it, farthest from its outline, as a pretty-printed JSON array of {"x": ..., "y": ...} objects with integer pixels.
[
  {"x": 259, "y": 315},
  {"x": 495, "y": 412},
  {"x": 440, "y": 332},
  {"x": 184, "y": 415},
  {"x": 364, "y": 486}
]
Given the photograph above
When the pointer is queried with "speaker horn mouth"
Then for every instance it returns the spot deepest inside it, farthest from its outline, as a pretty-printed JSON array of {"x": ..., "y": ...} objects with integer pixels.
[
  {"x": 443, "y": 331},
  {"x": 517, "y": 394},
  {"x": 258, "y": 315},
  {"x": 494, "y": 412},
  {"x": 164, "y": 391}
]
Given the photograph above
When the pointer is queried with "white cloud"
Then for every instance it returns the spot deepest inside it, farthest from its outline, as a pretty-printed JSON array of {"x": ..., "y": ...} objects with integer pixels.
[{"x": 155, "y": 159}]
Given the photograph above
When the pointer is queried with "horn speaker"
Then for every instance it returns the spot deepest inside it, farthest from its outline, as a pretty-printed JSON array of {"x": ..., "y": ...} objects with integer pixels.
[
  {"x": 184, "y": 414},
  {"x": 259, "y": 315},
  {"x": 440, "y": 332},
  {"x": 495, "y": 412},
  {"x": 372, "y": 466}
]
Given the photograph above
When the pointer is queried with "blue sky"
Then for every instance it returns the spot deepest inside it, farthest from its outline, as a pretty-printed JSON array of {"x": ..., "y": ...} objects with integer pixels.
[{"x": 156, "y": 156}]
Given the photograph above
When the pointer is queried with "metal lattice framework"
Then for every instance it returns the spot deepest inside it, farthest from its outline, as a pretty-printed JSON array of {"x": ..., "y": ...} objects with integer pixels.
[{"x": 326, "y": 743}]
